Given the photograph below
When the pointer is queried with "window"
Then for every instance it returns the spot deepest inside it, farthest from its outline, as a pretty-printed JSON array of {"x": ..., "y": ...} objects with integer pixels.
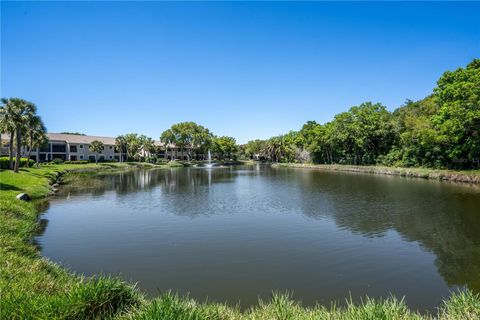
[
  {"x": 59, "y": 148},
  {"x": 110, "y": 147},
  {"x": 45, "y": 148},
  {"x": 81, "y": 157},
  {"x": 111, "y": 157},
  {"x": 73, "y": 148},
  {"x": 81, "y": 146}
]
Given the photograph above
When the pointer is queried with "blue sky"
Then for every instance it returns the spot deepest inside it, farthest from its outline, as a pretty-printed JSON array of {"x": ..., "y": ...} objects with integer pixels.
[{"x": 244, "y": 69}]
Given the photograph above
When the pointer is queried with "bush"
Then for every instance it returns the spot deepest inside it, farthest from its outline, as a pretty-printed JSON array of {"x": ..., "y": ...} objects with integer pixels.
[
  {"x": 76, "y": 162},
  {"x": 57, "y": 161},
  {"x": 5, "y": 162}
]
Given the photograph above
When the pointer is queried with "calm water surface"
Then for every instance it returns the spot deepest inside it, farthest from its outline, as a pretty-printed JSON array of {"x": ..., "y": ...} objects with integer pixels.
[{"x": 235, "y": 234}]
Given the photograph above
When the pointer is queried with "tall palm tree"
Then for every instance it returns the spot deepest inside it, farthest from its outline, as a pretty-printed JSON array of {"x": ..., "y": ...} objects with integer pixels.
[
  {"x": 96, "y": 146},
  {"x": 35, "y": 135},
  {"x": 120, "y": 144},
  {"x": 148, "y": 148},
  {"x": 25, "y": 110}
]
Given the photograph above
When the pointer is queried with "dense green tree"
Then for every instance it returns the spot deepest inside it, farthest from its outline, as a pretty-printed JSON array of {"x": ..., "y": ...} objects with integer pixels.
[
  {"x": 457, "y": 122},
  {"x": 442, "y": 130},
  {"x": 225, "y": 146},
  {"x": 254, "y": 149},
  {"x": 279, "y": 149},
  {"x": 188, "y": 136}
]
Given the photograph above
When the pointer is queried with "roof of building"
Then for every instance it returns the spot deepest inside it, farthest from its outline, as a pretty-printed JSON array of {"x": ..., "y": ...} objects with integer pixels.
[
  {"x": 75, "y": 138},
  {"x": 79, "y": 139}
]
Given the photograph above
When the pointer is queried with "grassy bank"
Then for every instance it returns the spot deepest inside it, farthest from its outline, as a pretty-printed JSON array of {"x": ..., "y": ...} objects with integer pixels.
[
  {"x": 32, "y": 287},
  {"x": 467, "y": 176}
]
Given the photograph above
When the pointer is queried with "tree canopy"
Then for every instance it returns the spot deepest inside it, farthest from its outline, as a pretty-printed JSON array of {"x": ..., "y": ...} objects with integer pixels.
[
  {"x": 189, "y": 136},
  {"x": 442, "y": 130}
]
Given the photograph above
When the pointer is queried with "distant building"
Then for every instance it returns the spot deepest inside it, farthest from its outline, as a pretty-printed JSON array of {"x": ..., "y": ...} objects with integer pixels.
[{"x": 75, "y": 147}]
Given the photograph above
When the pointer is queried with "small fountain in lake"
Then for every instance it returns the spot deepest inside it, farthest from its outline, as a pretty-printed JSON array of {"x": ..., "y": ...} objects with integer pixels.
[{"x": 209, "y": 159}]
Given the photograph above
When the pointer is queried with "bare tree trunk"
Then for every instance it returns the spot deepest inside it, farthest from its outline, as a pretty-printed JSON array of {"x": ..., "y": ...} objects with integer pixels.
[
  {"x": 10, "y": 149},
  {"x": 29, "y": 152},
  {"x": 19, "y": 149}
]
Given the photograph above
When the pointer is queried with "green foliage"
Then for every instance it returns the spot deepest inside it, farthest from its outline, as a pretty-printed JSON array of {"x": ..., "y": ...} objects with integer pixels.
[
  {"x": 57, "y": 161},
  {"x": 24, "y": 162},
  {"x": 16, "y": 116},
  {"x": 189, "y": 136},
  {"x": 76, "y": 162},
  {"x": 168, "y": 306},
  {"x": 254, "y": 148},
  {"x": 225, "y": 146},
  {"x": 440, "y": 131},
  {"x": 135, "y": 145}
]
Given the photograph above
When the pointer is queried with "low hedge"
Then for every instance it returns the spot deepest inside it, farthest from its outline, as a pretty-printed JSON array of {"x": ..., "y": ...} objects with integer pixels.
[
  {"x": 76, "y": 162},
  {"x": 5, "y": 162}
]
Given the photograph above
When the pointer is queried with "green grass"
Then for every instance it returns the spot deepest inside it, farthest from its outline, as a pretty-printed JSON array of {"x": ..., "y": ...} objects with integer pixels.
[{"x": 31, "y": 287}]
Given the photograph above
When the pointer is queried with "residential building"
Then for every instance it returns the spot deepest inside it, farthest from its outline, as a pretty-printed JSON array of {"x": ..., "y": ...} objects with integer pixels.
[{"x": 76, "y": 147}]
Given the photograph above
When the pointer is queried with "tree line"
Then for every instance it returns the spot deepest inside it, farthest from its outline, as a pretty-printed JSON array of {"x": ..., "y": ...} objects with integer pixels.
[
  {"x": 441, "y": 131},
  {"x": 189, "y": 137}
]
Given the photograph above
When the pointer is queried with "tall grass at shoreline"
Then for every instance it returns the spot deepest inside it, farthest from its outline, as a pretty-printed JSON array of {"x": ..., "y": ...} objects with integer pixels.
[{"x": 32, "y": 287}]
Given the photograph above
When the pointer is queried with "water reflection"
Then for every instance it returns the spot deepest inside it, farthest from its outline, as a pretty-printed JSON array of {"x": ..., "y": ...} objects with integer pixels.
[
  {"x": 251, "y": 230},
  {"x": 442, "y": 217}
]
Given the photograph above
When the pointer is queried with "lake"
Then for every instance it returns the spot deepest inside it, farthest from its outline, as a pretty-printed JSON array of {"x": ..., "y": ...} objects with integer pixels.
[{"x": 235, "y": 234}]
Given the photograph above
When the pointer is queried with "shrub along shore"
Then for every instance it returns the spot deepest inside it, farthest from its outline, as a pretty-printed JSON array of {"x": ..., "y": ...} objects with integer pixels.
[
  {"x": 467, "y": 176},
  {"x": 32, "y": 287}
]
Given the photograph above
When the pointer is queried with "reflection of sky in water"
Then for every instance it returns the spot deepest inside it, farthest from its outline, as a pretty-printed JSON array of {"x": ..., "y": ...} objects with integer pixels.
[{"x": 236, "y": 234}]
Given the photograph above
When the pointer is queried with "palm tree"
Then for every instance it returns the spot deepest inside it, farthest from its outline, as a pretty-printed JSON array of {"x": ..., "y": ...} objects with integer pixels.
[
  {"x": 35, "y": 135},
  {"x": 278, "y": 148},
  {"x": 7, "y": 125},
  {"x": 148, "y": 148},
  {"x": 17, "y": 111},
  {"x": 133, "y": 144},
  {"x": 120, "y": 144},
  {"x": 96, "y": 146}
]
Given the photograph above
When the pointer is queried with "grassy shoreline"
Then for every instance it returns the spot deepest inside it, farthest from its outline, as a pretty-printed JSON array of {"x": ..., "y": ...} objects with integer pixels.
[
  {"x": 32, "y": 287},
  {"x": 466, "y": 176}
]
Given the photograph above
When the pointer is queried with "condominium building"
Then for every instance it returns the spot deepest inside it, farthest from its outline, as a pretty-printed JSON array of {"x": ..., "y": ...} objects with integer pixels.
[{"x": 76, "y": 147}]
